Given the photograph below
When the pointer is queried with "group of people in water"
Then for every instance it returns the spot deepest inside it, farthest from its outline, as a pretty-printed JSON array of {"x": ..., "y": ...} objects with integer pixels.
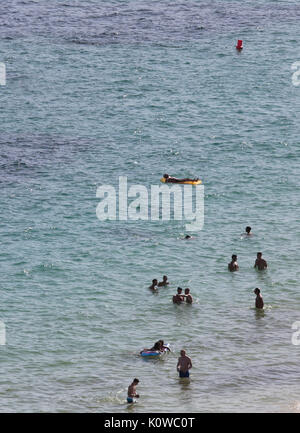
[
  {"x": 184, "y": 363},
  {"x": 259, "y": 264},
  {"x": 156, "y": 284},
  {"x": 179, "y": 297},
  {"x": 233, "y": 266}
]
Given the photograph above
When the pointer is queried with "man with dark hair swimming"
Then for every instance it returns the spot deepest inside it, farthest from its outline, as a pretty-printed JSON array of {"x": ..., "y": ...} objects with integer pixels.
[
  {"x": 248, "y": 231},
  {"x": 170, "y": 179}
]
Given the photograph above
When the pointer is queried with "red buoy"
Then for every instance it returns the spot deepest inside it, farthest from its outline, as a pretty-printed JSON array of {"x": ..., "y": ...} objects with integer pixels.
[{"x": 239, "y": 45}]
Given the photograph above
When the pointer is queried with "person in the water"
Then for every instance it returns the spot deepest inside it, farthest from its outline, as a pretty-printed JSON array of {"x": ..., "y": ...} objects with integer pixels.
[
  {"x": 178, "y": 298},
  {"x": 248, "y": 231},
  {"x": 184, "y": 364},
  {"x": 157, "y": 346},
  {"x": 188, "y": 296},
  {"x": 163, "y": 347},
  {"x": 259, "y": 302},
  {"x": 164, "y": 282},
  {"x": 233, "y": 265},
  {"x": 170, "y": 179},
  {"x": 153, "y": 285},
  {"x": 132, "y": 391},
  {"x": 260, "y": 263},
  {"x": 154, "y": 348}
]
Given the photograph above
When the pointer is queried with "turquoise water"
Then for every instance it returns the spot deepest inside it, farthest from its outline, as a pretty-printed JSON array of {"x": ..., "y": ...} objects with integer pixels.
[{"x": 96, "y": 90}]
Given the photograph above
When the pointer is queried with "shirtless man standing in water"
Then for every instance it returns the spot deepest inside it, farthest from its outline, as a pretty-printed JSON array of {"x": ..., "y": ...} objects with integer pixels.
[
  {"x": 233, "y": 265},
  {"x": 184, "y": 364},
  {"x": 260, "y": 263},
  {"x": 132, "y": 391},
  {"x": 179, "y": 297},
  {"x": 164, "y": 282},
  {"x": 259, "y": 302}
]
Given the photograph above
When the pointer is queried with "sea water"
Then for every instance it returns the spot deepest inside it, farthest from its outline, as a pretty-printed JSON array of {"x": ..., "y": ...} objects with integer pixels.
[{"x": 96, "y": 90}]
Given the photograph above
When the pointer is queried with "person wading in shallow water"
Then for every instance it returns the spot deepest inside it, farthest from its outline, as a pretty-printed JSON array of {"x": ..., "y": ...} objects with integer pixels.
[
  {"x": 164, "y": 282},
  {"x": 233, "y": 265},
  {"x": 188, "y": 296},
  {"x": 179, "y": 297},
  {"x": 260, "y": 263},
  {"x": 259, "y": 302},
  {"x": 132, "y": 391},
  {"x": 184, "y": 364}
]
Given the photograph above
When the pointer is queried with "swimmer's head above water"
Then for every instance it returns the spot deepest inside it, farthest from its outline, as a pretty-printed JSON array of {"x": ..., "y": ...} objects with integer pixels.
[{"x": 161, "y": 342}]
